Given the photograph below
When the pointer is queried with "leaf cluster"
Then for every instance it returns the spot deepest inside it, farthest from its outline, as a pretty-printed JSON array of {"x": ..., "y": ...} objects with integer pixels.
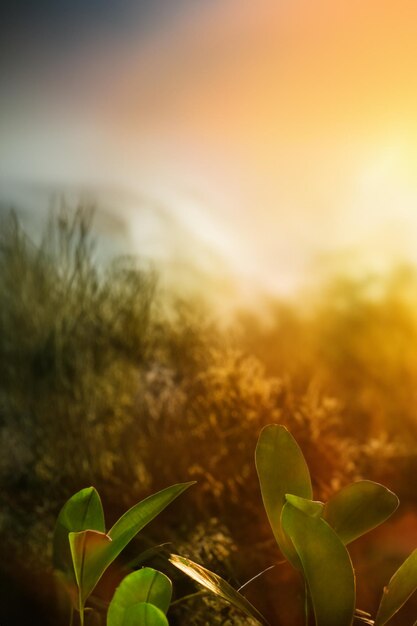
[
  {"x": 83, "y": 550},
  {"x": 313, "y": 536}
]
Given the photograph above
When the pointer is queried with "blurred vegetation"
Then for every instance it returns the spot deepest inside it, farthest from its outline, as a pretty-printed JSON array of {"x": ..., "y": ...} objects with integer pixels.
[{"x": 106, "y": 379}]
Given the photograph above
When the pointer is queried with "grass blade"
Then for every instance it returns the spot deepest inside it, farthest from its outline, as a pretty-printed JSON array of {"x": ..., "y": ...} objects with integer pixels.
[{"x": 217, "y": 585}]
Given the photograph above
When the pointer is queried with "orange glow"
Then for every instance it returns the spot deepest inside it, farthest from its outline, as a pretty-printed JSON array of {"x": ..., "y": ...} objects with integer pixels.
[{"x": 290, "y": 127}]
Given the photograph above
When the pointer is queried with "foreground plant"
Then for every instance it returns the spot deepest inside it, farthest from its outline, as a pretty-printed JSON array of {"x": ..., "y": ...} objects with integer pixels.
[
  {"x": 142, "y": 598},
  {"x": 313, "y": 537},
  {"x": 83, "y": 550}
]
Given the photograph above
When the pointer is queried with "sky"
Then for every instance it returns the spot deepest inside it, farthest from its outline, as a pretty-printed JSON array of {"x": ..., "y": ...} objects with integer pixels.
[{"x": 280, "y": 136}]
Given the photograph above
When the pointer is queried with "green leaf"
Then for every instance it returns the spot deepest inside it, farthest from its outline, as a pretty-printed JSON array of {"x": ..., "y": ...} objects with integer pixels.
[
  {"x": 217, "y": 585},
  {"x": 82, "y": 511},
  {"x": 145, "y": 585},
  {"x": 140, "y": 515},
  {"x": 401, "y": 586},
  {"x": 310, "y": 507},
  {"x": 358, "y": 508},
  {"x": 282, "y": 470},
  {"x": 144, "y": 614},
  {"x": 326, "y": 565},
  {"x": 133, "y": 521},
  {"x": 88, "y": 548}
]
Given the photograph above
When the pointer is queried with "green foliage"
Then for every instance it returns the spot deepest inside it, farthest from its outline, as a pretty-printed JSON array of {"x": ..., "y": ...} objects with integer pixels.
[
  {"x": 143, "y": 586},
  {"x": 136, "y": 518},
  {"x": 144, "y": 614},
  {"x": 83, "y": 511},
  {"x": 326, "y": 566},
  {"x": 89, "y": 549},
  {"x": 310, "y": 507},
  {"x": 312, "y": 536},
  {"x": 318, "y": 533},
  {"x": 73, "y": 334},
  {"x": 359, "y": 507},
  {"x": 281, "y": 469},
  {"x": 92, "y": 551}
]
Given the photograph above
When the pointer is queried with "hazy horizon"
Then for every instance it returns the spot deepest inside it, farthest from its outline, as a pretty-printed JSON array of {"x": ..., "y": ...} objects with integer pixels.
[{"x": 281, "y": 137}]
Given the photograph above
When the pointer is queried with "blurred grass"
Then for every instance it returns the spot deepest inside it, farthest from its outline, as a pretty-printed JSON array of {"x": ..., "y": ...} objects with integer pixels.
[{"x": 107, "y": 380}]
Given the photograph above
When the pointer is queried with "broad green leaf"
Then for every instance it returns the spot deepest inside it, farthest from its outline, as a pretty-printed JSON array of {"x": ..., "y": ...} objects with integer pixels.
[
  {"x": 144, "y": 614},
  {"x": 217, "y": 585},
  {"x": 83, "y": 511},
  {"x": 88, "y": 548},
  {"x": 140, "y": 515},
  {"x": 311, "y": 507},
  {"x": 359, "y": 507},
  {"x": 326, "y": 565},
  {"x": 145, "y": 585},
  {"x": 401, "y": 586},
  {"x": 133, "y": 521},
  {"x": 282, "y": 469}
]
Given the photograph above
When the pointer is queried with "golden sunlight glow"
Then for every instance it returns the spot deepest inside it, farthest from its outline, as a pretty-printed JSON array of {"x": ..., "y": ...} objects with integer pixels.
[
  {"x": 307, "y": 108},
  {"x": 278, "y": 133}
]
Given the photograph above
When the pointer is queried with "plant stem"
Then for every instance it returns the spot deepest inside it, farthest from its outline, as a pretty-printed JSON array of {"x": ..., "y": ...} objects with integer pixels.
[
  {"x": 81, "y": 614},
  {"x": 71, "y": 616},
  {"x": 255, "y": 577},
  {"x": 306, "y": 602},
  {"x": 189, "y": 596}
]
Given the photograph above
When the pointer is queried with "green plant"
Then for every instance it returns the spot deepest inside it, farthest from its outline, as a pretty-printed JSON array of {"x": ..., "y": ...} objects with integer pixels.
[
  {"x": 143, "y": 597},
  {"x": 313, "y": 536},
  {"x": 83, "y": 550}
]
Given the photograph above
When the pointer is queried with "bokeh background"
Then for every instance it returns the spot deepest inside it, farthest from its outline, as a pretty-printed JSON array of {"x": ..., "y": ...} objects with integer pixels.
[{"x": 208, "y": 223}]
